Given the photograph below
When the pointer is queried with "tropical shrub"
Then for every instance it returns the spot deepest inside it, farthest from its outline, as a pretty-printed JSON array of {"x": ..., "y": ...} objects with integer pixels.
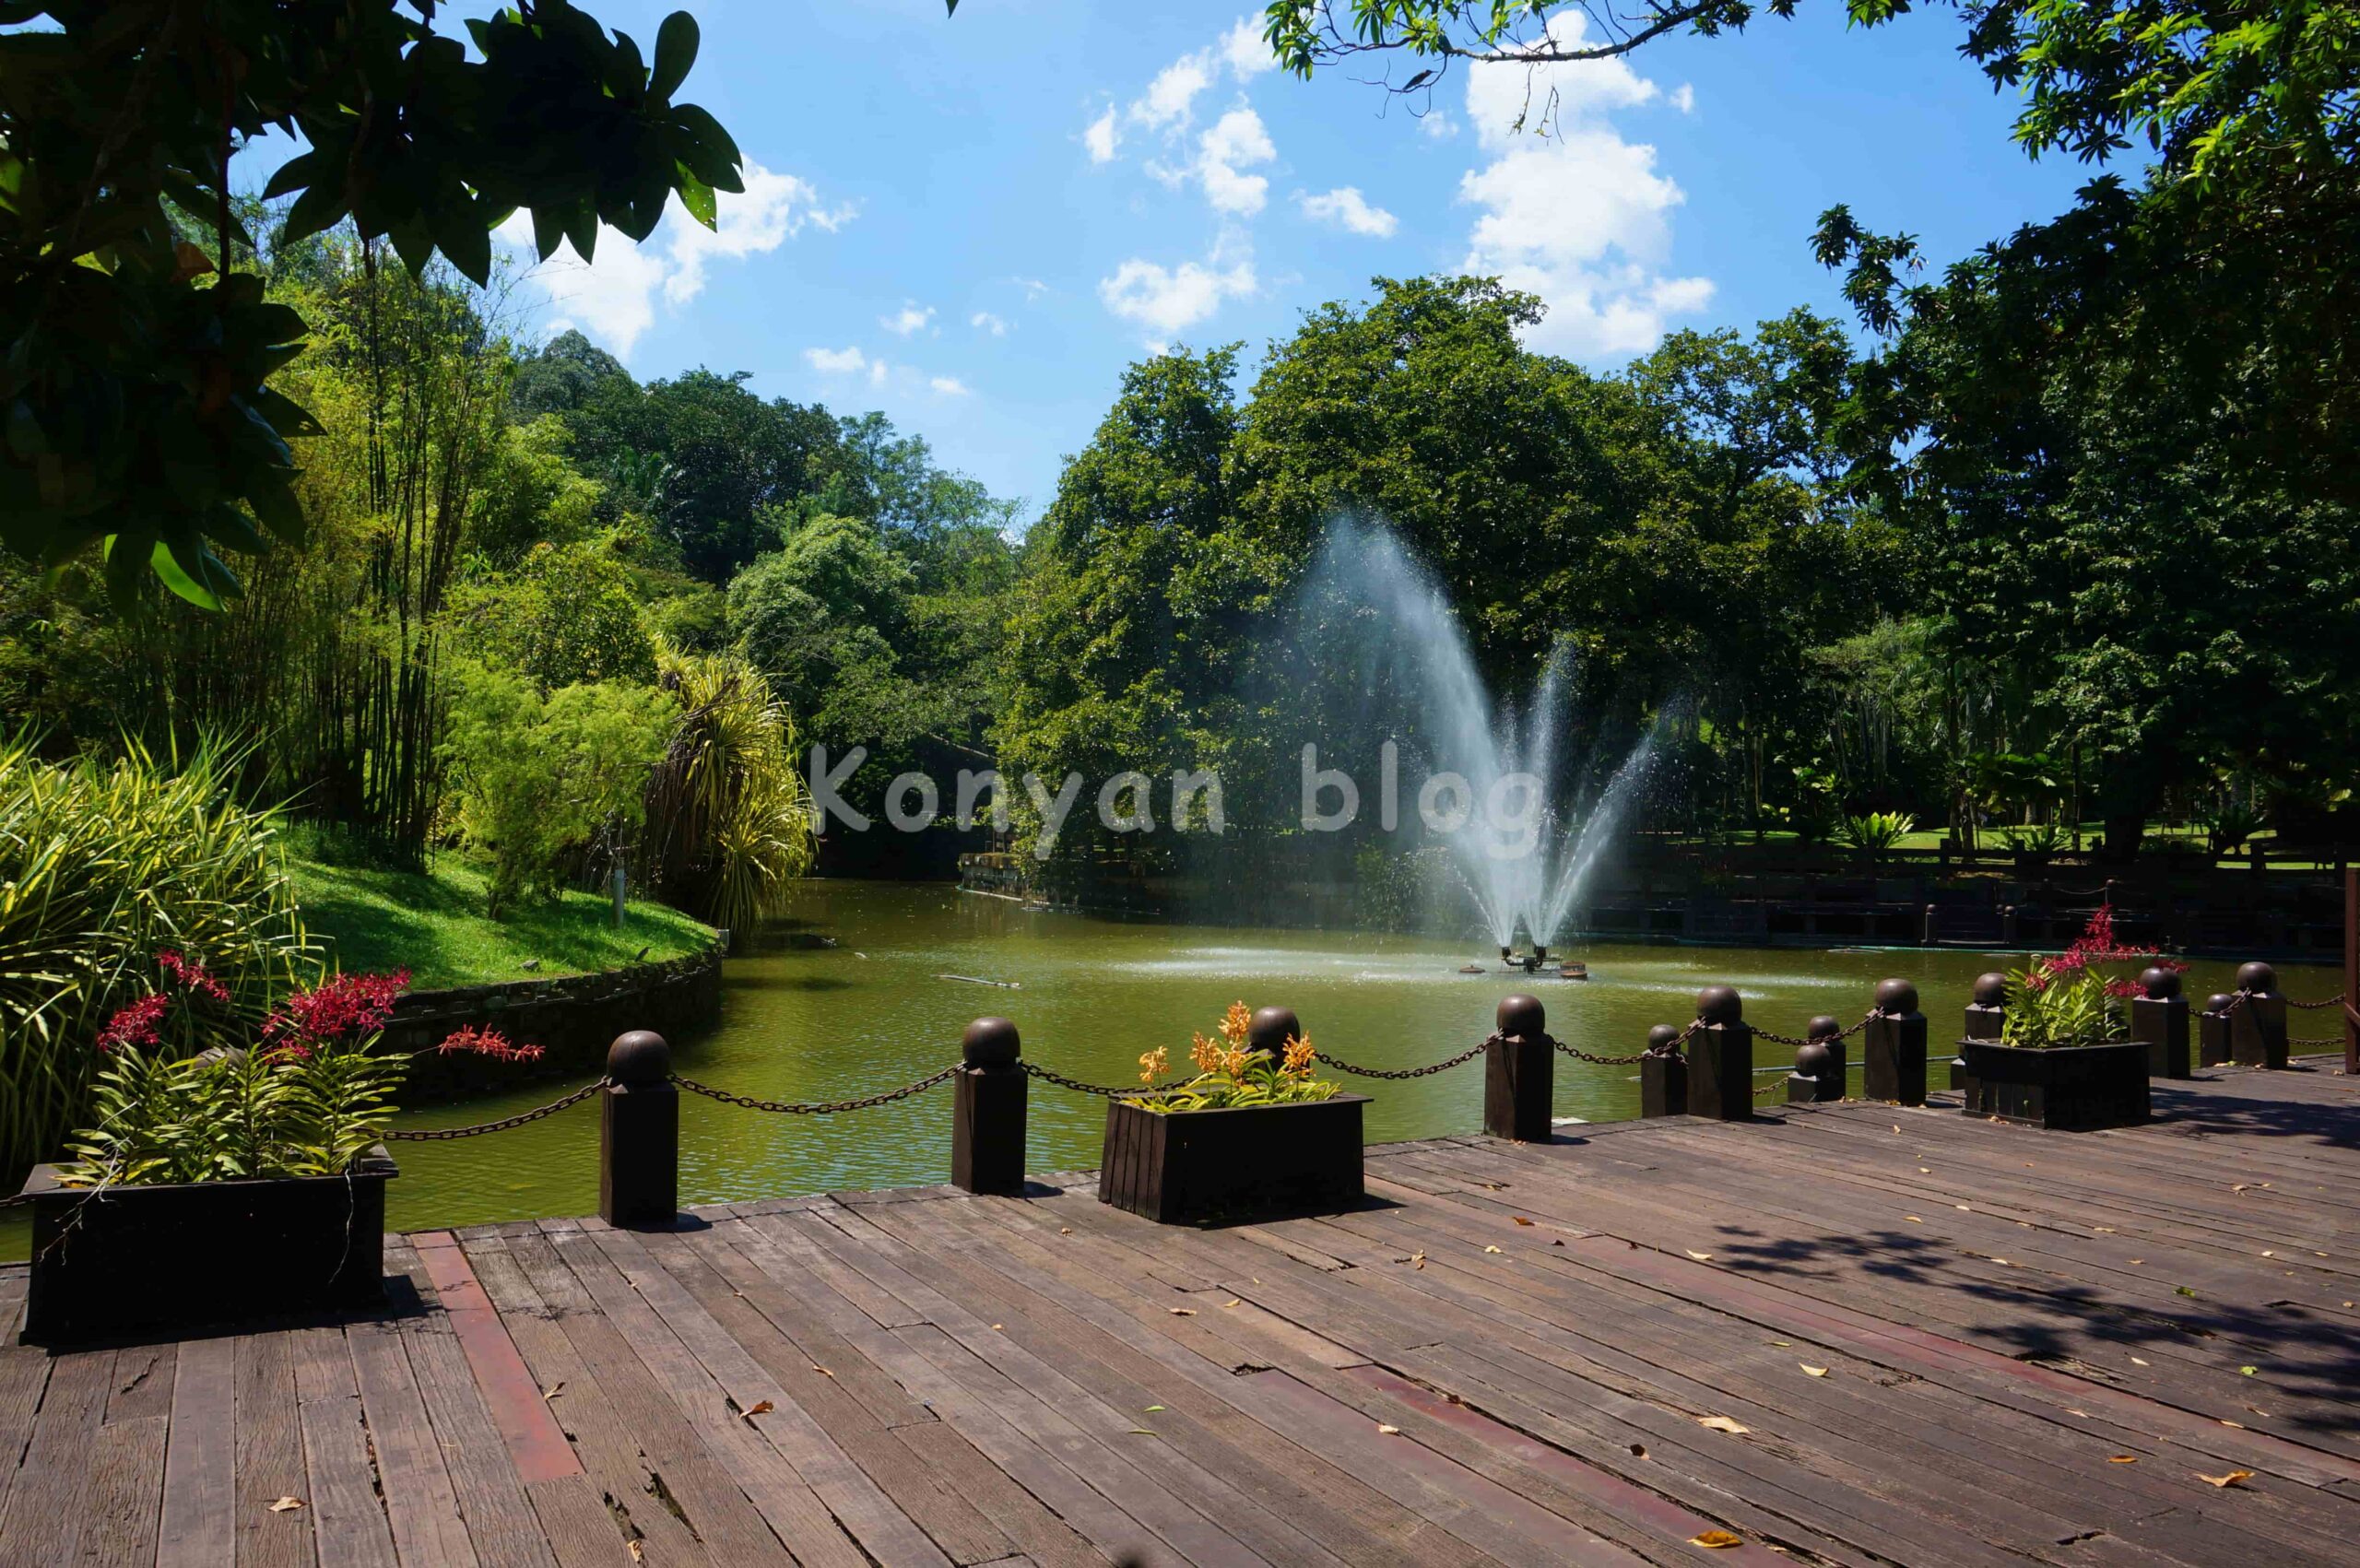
[
  {"x": 2037, "y": 838},
  {"x": 730, "y": 817},
  {"x": 102, "y": 865},
  {"x": 539, "y": 781},
  {"x": 1876, "y": 831},
  {"x": 2070, "y": 999},
  {"x": 1230, "y": 1076},
  {"x": 304, "y": 1094}
]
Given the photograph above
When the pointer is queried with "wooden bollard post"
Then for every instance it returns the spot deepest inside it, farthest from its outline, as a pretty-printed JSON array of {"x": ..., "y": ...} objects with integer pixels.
[
  {"x": 2213, "y": 1030},
  {"x": 1820, "y": 1065},
  {"x": 1893, "y": 1049},
  {"x": 1720, "y": 1057},
  {"x": 1930, "y": 936},
  {"x": 2258, "y": 1029},
  {"x": 1520, "y": 1072},
  {"x": 639, "y": 1135},
  {"x": 1663, "y": 1075},
  {"x": 2159, "y": 1021},
  {"x": 1987, "y": 1018},
  {"x": 989, "y": 1093}
]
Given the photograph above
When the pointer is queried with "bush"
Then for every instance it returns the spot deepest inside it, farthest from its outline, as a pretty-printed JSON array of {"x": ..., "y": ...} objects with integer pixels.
[
  {"x": 733, "y": 817},
  {"x": 102, "y": 866},
  {"x": 540, "y": 780}
]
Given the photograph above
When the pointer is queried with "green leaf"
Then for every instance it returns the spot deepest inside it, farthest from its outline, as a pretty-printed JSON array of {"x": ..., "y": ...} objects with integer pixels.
[
  {"x": 675, "y": 50},
  {"x": 178, "y": 580},
  {"x": 460, "y": 230},
  {"x": 702, "y": 126},
  {"x": 314, "y": 212},
  {"x": 697, "y": 196}
]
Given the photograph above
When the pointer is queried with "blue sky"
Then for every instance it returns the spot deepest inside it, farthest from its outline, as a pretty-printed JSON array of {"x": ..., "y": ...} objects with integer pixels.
[{"x": 973, "y": 224}]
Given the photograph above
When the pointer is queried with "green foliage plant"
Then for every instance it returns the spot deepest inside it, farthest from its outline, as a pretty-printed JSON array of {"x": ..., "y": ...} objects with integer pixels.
[
  {"x": 142, "y": 421},
  {"x": 1232, "y": 1077},
  {"x": 731, "y": 820},
  {"x": 1876, "y": 831},
  {"x": 307, "y": 1095},
  {"x": 2069, "y": 999},
  {"x": 540, "y": 780},
  {"x": 102, "y": 863}
]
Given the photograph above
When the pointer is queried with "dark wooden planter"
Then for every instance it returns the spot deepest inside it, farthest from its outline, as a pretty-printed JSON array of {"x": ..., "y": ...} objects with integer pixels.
[
  {"x": 2070, "y": 1089},
  {"x": 1180, "y": 1167},
  {"x": 137, "y": 1260}
]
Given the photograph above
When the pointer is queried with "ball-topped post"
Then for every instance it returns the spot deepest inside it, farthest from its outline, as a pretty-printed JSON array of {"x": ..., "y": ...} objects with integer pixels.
[
  {"x": 2257, "y": 1025},
  {"x": 2159, "y": 1021},
  {"x": 990, "y": 1093},
  {"x": 1892, "y": 1046},
  {"x": 1519, "y": 1071},
  {"x": 1270, "y": 1029},
  {"x": 1987, "y": 1018},
  {"x": 1820, "y": 1064},
  {"x": 1720, "y": 1057},
  {"x": 2212, "y": 1029},
  {"x": 639, "y": 1134},
  {"x": 1663, "y": 1074}
]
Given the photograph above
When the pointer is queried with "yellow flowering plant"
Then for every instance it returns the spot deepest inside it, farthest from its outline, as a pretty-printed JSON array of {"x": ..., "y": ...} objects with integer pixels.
[{"x": 1231, "y": 1074}]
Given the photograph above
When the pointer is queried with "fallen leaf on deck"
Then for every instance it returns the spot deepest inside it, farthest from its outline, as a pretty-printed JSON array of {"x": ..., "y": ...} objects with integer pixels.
[
  {"x": 1389, "y": 1431},
  {"x": 1716, "y": 1539},
  {"x": 2248, "y": 1371},
  {"x": 1896, "y": 1126},
  {"x": 1783, "y": 1344},
  {"x": 286, "y": 1505},
  {"x": 1182, "y": 1311},
  {"x": 1002, "y": 1327},
  {"x": 553, "y": 1390},
  {"x": 1232, "y": 1303},
  {"x": 760, "y": 1407},
  {"x": 638, "y": 1552},
  {"x": 824, "y": 1372},
  {"x": 1913, "y": 1220},
  {"x": 2235, "y": 1478},
  {"x": 1064, "y": 1229},
  {"x": 1814, "y": 1371},
  {"x": 1722, "y": 1423},
  {"x": 2122, "y": 1459},
  {"x": 2227, "y": 1422},
  {"x": 1152, "y": 1408},
  {"x": 1141, "y": 1431},
  {"x": 2182, "y": 1291},
  {"x": 1417, "y": 1260},
  {"x": 2270, "y": 1254},
  {"x": 1963, "y": 1209},
  {"x": 1699, "y": 1256},
  {"x": 1924, "y": 1171},
  {"x": 2140, "y": 1361},
  {"x": 1520, "y": 1220},
  {"x": 2102, "y": 1230},
  {"x": 1490, "y": 1249}
]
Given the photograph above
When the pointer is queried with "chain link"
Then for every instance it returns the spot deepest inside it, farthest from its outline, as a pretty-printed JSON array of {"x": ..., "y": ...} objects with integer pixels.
[
  {"x": 1840, "y": 1034},
  {"x": 2334, "y": 1001},
  {"x": 439, "y": 1135},
  {"x": 1467, "y": 1056},
  {"x": 1599, "y": 1061},
  {"x": 816, "y": 1107},
  {"x": 1049, "y": 1075}
]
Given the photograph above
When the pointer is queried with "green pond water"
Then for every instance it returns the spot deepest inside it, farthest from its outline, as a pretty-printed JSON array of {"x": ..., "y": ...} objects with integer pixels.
[{"x": 811, "y": 1022}]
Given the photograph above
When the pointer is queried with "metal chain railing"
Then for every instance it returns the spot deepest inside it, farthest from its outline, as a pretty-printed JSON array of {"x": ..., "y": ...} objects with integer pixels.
[
  {"x": 1104, "y": 1091},
  {"x": 1777, "y": 1039},
  {"x": 1467, "y": 1056},
  {"x": 1601, "y": 1061},
  {"x": 439, "y": 1135},
  {"x": 2334, "y": 1001},
  {"x": 816, "y": 1107}
]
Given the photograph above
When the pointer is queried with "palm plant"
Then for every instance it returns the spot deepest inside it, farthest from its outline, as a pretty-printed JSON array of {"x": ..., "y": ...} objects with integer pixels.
[
  {"x": 1876, "y": 831},
  {"x": 102, "y": 866},
  {"x": 730, "y": 818}
]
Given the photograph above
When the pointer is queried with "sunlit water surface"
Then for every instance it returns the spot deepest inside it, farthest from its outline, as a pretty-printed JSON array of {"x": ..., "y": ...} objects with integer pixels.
[{"x": 811, "y": 1022}]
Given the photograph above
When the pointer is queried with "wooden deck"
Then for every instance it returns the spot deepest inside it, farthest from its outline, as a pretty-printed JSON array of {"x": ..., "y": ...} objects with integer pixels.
[{"x": 1923, "y": 1339}]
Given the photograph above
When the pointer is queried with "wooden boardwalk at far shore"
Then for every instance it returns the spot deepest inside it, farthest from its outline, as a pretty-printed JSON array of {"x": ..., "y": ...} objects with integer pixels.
[{"x": 1847, "y": 1334}]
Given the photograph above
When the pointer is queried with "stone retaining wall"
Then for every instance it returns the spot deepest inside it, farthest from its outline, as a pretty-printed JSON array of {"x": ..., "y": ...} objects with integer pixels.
[{"x": 573, "y": 1017}]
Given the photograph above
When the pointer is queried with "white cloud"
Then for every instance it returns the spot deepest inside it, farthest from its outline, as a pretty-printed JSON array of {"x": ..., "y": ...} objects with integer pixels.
[
  {"x": 1102, "y": 137},
  {"x": 878, "y": 371},
  {"x": 1033, "y": 288},
  {"x": 1169, "y": 300},
  {"x": 1684, "y": 97},
  {"x": 1235, "y": 142},
  {"x": 983, "y": 321},
  {"x": 1244, "y": 51},
  {"x": 1348, "y": 208},
  {"x": 1168, "y": 98},
  {"x": 1437, "y": 123},
  {"x": 836, "y": 362},
  {"x": 1570, "y": 210},
  {"x": 912, "y": 317},
  {"x": 613, "y": 296},
  {"x": 950, "y": 387}
]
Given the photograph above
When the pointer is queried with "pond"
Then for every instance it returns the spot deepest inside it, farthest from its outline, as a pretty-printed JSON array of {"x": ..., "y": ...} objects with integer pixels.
[{"x": 801, "y": 1020}]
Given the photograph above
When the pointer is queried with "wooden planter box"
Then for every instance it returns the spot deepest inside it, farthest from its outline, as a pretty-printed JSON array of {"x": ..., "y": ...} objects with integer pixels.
[
  {"x": 139, "y": 1260},
  {"x": 1180, "y": 1167},
  {"x": 2070, "y": 1089}
]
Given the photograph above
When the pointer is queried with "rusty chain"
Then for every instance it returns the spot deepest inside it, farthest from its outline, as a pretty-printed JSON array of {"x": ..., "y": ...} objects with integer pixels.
[
  {"x": 1840, "y": 1034},
  {"x": 2334, "y": 1001},
  {"x": 1467, "y": 1056},
  {"x": 439, "y": 1135},
  {"x": 1599, "y": 1061},
  {"x": 816, "y": 1107},
  {"x": 1104, "y": 1091}
]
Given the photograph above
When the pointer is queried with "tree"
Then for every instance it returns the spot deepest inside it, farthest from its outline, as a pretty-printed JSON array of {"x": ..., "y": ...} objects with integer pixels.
[{"x": 142, "y": 418}]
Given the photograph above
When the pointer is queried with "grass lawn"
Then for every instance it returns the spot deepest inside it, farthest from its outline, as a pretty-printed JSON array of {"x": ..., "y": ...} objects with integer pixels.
[{"x": 434, "y": 925}]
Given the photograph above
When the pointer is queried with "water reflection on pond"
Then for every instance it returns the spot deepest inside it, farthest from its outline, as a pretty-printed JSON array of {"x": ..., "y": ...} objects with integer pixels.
[{"x": 804, "y": 1020}]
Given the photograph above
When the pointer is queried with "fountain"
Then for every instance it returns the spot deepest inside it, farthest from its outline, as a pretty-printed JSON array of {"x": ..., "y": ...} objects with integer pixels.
[{"x": 1524, "y": 876}]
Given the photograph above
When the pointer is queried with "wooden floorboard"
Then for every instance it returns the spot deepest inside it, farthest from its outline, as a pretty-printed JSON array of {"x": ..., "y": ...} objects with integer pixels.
[{"x": 1945, "y": 1341}]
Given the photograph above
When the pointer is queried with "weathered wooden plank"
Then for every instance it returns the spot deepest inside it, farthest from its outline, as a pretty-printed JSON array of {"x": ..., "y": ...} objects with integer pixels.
[
  {"x": 42, "y": 1522},
  {"x": 126, "y": 1488},
  {"x": 421, "y": 1505},
  {"x": 270, "y": 1456},
  {"x": 200, "y": 1457},
  {"x": 347, "y": 1516}
]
